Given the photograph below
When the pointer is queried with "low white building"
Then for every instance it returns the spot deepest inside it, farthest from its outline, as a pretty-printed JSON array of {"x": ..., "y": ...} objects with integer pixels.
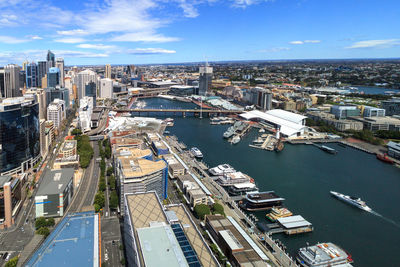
[{"x": 288, "y": 123}]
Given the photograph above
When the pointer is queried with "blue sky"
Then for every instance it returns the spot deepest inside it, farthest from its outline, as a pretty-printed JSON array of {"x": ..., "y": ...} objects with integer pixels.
[{"x": 163, "y": 31}]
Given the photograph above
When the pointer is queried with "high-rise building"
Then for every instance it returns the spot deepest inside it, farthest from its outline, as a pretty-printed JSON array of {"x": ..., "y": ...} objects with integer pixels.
[
  {"x": 391, "y": 106},
  {"x": 108, "y": 71},
  {"x": 60, "y": 66},
  {"x": 82, "y": 79},
  {"x": 42, "y": 71},
  {"x": 31, "y": 75},
  {"x": 56, "y": 112},
  {"x": 41, "y": 98},
  {"x": 106, "y": 88},
  {"x": 258, "y": 96},
  {"x": 24, "y": 64},
  {"x": 11, "y": 81},
  {"x": 57, "y": 93},
  {"x": 51, "y": 63},
  {"x": 205, "y": 79},
  {"x": 53, "y": 77},
  {"x": 2, "y": 93},
  {"x": 19, "y": 134}
]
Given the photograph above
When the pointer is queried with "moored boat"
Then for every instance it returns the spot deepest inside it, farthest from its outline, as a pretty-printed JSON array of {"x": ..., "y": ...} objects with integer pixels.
[
  {"x": 323, "y": 254},
  {"x": 196, "y": 153},
  {"x": 261, "y": 201},
  {"x": 384, "y": 158},
  {"x": 277, "y": 213}
]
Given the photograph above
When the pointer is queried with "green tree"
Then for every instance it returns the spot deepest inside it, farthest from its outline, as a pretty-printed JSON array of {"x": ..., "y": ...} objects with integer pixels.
[
  {"x": 13, "y": 262},
  {"x": 110, "y": 171},
  {"x": 40, "y": 222},
  {"x": 102, "y": 186},
  {"x": 113, "y": 200},
  {"x": 96, "y": 207},
  {"x": 218, "y": 209},
  {"x": 201, "y": 210},
  {"x": 76, "y": 132},
  {"x": 44, "y": 231},
  {"x": 99, "y": 199},
  {"x": 50, "y": 222},
  {"x": 111, "y": 182}
]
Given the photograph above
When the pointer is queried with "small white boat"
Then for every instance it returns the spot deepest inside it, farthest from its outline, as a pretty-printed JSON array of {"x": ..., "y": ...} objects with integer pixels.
[
  {"x": 235, "y": 139},
  {"x": 355, "y": 201},
  {"x": 262, "y": 130}
]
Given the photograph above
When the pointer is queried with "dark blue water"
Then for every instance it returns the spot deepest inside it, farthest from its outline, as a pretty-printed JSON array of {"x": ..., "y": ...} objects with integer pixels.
[
  {"x": 304, "y": 175},
  {"x": 369, "y": 90}
]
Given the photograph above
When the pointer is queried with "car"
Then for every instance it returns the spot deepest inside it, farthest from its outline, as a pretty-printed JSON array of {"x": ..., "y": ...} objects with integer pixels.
[
  {"x": 5, "y": 255},
  {"x": 8, "y": 257}
]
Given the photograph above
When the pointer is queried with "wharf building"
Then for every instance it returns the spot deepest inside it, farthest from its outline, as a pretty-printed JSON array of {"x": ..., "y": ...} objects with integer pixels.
[
  {"x": 194, "y": 195},
  {"x": 175, "y": 168},
  {"x": 391, "y": 106},
  {"x": 136, "y": 175},
  {"x": 54, "y": 193},
  {"x": 156, "y": 235},
  {"x": 183, "y": 90},
  {"x": 75, "y": 241},
  {"x": 379, "y": 123},
  {"x": 339, "y": 124},
  {"x": 394, "y": 149},
  {"x": 288, "y": 124},
  {"x": 19, "y": 134},
  {"x": 12, "y": 195},
  {"x": 234, "y": 242},
  {"x": 205, "y": 79}
]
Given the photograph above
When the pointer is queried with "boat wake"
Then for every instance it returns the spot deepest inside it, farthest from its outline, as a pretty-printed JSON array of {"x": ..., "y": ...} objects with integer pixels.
[{"x": 386, "y": 219}]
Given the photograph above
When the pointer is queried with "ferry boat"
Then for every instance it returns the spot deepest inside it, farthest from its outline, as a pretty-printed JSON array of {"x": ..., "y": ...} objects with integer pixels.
[
  {"x": 328, "y": 149},
  {"x": 235, "y": 140},
  {"x": 261, "y": 201},
  {"x": 242, "y": 189},
  {"x": 277, "y": 213},
  {"x": 355, "y": 201},
  {"x": 323, "y": 254},
  {"x": 221, "y": 169},
  {"x": 384, "y": 158},
  {"x": 196, "y": 153}
]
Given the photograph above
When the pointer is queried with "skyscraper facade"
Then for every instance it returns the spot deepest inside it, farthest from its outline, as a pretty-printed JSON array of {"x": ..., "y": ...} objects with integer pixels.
[
  {"x": 108, "y": 71},
  {"x": 82, "y": 79},
  {"x": 2, "y": 93},
  {"x": 42, "y": 71},
  {"x": 53, "y": 77},
  {"x": 205, "y": 79},
  {"x": 60, "y": 66},
  {"x": 51, "y": 61},
  {"x": 19, "y": 134},
  {"x": 11, "y": 81},
  {"x": 31, "y": 75}
]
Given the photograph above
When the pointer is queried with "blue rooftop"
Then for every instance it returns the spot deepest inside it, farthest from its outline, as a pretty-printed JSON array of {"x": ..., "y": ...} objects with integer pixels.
[{"x": 74, "y": 242}]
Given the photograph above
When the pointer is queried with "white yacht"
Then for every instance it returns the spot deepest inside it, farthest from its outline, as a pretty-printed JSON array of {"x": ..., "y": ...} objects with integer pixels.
[{"x": 221, "y": 169}]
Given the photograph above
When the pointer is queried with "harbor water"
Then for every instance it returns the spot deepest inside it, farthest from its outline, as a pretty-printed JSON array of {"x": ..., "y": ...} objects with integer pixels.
[{"x": 304, "y": 175}]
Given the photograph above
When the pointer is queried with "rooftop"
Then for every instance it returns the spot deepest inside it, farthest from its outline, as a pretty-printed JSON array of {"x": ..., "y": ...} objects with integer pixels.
[
  {"x": 5, "y": 179},
  {"x": 131, "y": 151},
  {"x": 55, "y": 181},
  {"x": 133, "y": 167},
  {"x": 74, "y": 242}
]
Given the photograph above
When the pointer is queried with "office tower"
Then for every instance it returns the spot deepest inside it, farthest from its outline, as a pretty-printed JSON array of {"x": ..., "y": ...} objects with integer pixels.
[
  {"x": 57, "y": 93},
  {"x": 31, "y": 75},
  {"x": 108, "y": 71},
  {"x": 260, "y": 97},
  {"x": 90, "y": 91},
  {"x": 53, "y": 77},
  {"x": 60, "y": 66},
  {"x": 41, "y": 98},
  {"x": 19, "y": 134},
  {"x": 56, "y": 112},
  {"x": 2, "y": 93},
  {"x": 11, "y": 81},
  {"x": 205, "y": 79},
  {"x": 82, "y": 79},
  {"x": 391, "y": 106},
  {"x": 106, "y": 88},
  {"x": 50, "y": 60},
  {"x": 24, "y": 64},
  {"x": 42, "y": 71}
]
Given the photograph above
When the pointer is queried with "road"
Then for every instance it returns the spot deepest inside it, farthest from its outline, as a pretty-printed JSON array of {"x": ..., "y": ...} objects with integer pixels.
[
  {"x": 111, "y": 240},
  {"x": 84, "y": 196}
]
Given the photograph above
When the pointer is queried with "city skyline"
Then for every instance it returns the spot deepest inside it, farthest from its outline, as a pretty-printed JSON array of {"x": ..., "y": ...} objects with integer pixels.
[{"x": 149, "y": 31}]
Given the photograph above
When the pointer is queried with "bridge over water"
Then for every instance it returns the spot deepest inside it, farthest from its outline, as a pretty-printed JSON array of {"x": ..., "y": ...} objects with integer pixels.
[{"x": 184, "y": 112}]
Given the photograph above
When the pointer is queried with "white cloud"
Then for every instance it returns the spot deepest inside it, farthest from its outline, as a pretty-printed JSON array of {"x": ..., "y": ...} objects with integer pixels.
[
  {"x": 304, "y": 42},
  {"x": 144, "y": 37},
  {"x": 375, "y": 44},
  {"x": 296, "y": 42},
  {"x": 79, "y": 54},
  {"x": 246, "y": 3},
  {"x": 274, "y": 50},
  {"x": 70, "y": 40},
  {"x": 96, "y": 46},
  {"x": 73, "y": 32},
  {"x": 12, "y": 40},
  {"x": 150, "y": 51},
  {"x": 36, "y": 37}
]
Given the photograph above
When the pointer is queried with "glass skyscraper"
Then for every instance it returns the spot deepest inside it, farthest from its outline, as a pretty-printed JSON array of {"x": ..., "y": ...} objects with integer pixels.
[
  {"x": 19, "y": 134},
  {"x": 31, "y": 75},
  {"x": 53, "y": 77}
]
